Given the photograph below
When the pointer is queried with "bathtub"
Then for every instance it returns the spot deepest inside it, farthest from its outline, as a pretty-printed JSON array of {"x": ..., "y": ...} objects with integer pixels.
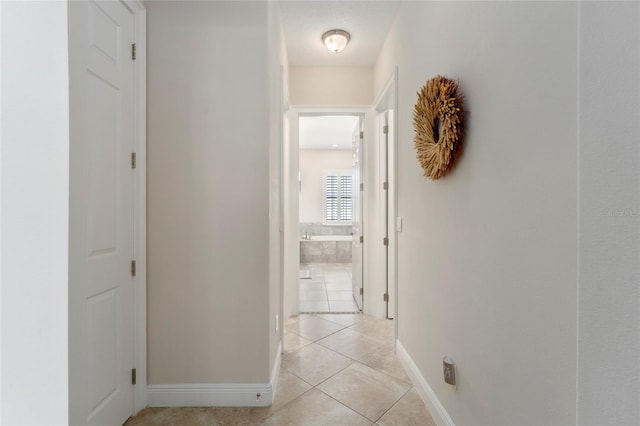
[
  {"x": 326, "y": 249},
  {"x": 329, "y": 238}
]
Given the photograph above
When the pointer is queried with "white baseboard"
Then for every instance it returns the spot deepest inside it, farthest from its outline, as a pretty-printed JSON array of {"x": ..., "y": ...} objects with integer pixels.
[
  {"x": 439, "y": 414},
  {"x": 275, "y": 372},
  {"x": 216, "y": 395},
  {"x": 210, "y": 395}
]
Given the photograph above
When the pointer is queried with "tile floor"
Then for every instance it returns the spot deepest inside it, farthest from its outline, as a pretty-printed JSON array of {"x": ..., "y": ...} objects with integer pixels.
[
  {"x": 328, "y": 289},
  {"x": 337, "y": 369}
]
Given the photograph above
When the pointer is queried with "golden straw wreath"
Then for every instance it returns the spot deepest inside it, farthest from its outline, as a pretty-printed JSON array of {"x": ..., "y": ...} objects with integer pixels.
[{"x": 438, "y": 121}]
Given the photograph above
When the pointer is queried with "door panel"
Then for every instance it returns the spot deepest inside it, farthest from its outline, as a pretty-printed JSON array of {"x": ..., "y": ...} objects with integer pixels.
[
  {"x": 357, "y": 228},
  {"x": 383, "y": 130},
  {"x": 101, "y": 310}
]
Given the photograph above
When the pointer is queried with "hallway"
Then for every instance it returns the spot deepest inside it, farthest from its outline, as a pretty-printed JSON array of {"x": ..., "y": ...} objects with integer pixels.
[{"x": 336, "y": 370}]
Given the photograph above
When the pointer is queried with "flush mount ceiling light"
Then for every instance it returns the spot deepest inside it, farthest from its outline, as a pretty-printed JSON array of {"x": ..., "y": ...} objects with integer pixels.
[{"x": 336, "y": 40}]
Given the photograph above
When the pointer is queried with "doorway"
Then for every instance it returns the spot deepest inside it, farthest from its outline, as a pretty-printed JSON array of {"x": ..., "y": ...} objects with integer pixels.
[{"x": 330, "y": 213}]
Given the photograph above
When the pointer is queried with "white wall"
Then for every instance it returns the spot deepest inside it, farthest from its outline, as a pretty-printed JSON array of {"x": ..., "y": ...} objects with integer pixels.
[
  {"x": 609, "y": 216},
  {"x": 334, "y": 86},
  {"x": 208, "y": 193},
  {"x": 278, "y": 75},
  {"x": 35, "y": 213},
  {"x": 487, "y": 258},
  {"x": 312, "y": 164},
  {"x": 290, "y": 217}
]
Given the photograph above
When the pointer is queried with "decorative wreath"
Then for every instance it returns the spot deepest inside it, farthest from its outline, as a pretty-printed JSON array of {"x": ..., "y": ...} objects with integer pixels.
[{"x": 438, "y": 120}]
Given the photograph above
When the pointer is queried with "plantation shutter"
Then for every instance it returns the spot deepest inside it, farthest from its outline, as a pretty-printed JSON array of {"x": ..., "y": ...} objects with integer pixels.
[
  {"x": 338, "y": 197},
  {"x": 331, "y": 198},
  {"x": 346, "y": 200}
]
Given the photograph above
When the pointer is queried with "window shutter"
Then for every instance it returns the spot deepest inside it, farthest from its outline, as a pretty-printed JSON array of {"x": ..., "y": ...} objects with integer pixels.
[
  {"x": 346, "y": 200},
  {"x": 331, "y": 198},
  {"x": 338, "y": 197}
]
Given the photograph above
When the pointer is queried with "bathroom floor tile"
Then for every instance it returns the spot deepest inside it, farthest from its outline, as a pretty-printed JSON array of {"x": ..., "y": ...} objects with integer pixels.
[
  {"x": 313, "y": 295},
  {"x": 340, "y": 296},
  {"x": 328, "y": 282},
  {"x": 313, "y": 306},
  {"x": 338, "y": 306},
  {"x": 311, "y": 286},
  {"x": 317, "y": 409},
  {"x": 365, "y": 390},
  {"x": 337, "y": 276},
  {"x": 314, "y": 363},
  {"x": 339, "y": 286},
  {"x": 409, "y": 411}
]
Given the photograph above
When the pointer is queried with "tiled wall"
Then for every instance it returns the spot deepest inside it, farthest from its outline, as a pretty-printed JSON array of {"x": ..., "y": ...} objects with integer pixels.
[{"x": 325, "y": 251}]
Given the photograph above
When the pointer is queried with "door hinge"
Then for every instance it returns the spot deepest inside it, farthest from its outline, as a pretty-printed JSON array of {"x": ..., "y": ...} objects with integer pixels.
[
  {"x": 134, "y": 160},
  {"x": 361, "y": 135},
  {"x": 361, "y": 291},
  {"x": 133, "y": 376},
  {"x": 386, "y": 297},
  {"x": 133, "y": 268},
  {"x": 362, "y": 187},
  {"x": 133, "y": 51},
  {"x": 385, "y": 241},
  {"x": 385, "y": 130},
  {"x": 385, "y": 185},
  {"x": 361, "y": 238}
]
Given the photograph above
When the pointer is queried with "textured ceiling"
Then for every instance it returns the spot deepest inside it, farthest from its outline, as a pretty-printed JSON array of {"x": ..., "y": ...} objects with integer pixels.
[
  {"x": 324, "y": 132},
  {"x": 304, "y": 22}
]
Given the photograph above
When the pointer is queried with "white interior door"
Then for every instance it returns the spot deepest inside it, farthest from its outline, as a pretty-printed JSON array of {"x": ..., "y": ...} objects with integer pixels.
[
  {"x": 101, "y": 292},
  {"x": 383, "y": 135},
  {"x": 357, "y": 228}
]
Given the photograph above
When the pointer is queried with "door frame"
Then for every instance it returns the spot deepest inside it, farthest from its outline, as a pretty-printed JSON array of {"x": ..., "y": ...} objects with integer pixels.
[
  {"x": 294, "y": 113},
  {"x": 140, "y": 397},
  {"x": 387, "y": 100}
]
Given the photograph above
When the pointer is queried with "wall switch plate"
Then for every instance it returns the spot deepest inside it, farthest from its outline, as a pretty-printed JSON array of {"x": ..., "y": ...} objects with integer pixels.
[
  {"x": 277, "y": 322},
  {"x": 399, "y": 224},
  {"x": 449, "y": 370}
]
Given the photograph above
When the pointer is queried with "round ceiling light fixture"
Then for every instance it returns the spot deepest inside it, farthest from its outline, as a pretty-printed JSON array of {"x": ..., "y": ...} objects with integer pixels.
[{"x": 336, "y": 40}]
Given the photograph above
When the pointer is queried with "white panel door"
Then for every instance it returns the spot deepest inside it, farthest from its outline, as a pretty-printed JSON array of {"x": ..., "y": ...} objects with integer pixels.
[
  {"x": 101, "y": 310},
  {"x": 357, "y": 228},
  {"x": 383, "y": 131}
]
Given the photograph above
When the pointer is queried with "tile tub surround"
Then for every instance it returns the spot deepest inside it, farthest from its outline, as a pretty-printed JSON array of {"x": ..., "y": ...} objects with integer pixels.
[
  {"x": 320, "y": 229},
  {"x": 357, "y": 389},
  {"x": 325, "y": 251}
]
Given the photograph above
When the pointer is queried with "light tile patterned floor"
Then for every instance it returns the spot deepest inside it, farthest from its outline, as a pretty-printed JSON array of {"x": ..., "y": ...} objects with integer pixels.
[
  {"x": 328, "y": 288},
  {"x": 337, "y": 370}
]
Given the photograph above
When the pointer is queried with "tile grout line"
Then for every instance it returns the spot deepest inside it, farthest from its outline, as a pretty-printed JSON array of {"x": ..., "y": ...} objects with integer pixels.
[
  {"x": 354, "y": 361},
  {"x": 394, "y": 404},
  {"x": 349, "y": 408}
]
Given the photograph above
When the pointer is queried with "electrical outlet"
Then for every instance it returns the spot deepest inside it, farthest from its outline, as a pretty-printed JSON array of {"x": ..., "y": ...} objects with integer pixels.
[
  {"x": 449, "y": 370},
  {"x": 277, "y": 322}
]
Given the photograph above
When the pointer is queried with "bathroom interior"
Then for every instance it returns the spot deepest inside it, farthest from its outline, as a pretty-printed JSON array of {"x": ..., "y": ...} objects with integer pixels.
[{"x": 326, "y": 186}]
